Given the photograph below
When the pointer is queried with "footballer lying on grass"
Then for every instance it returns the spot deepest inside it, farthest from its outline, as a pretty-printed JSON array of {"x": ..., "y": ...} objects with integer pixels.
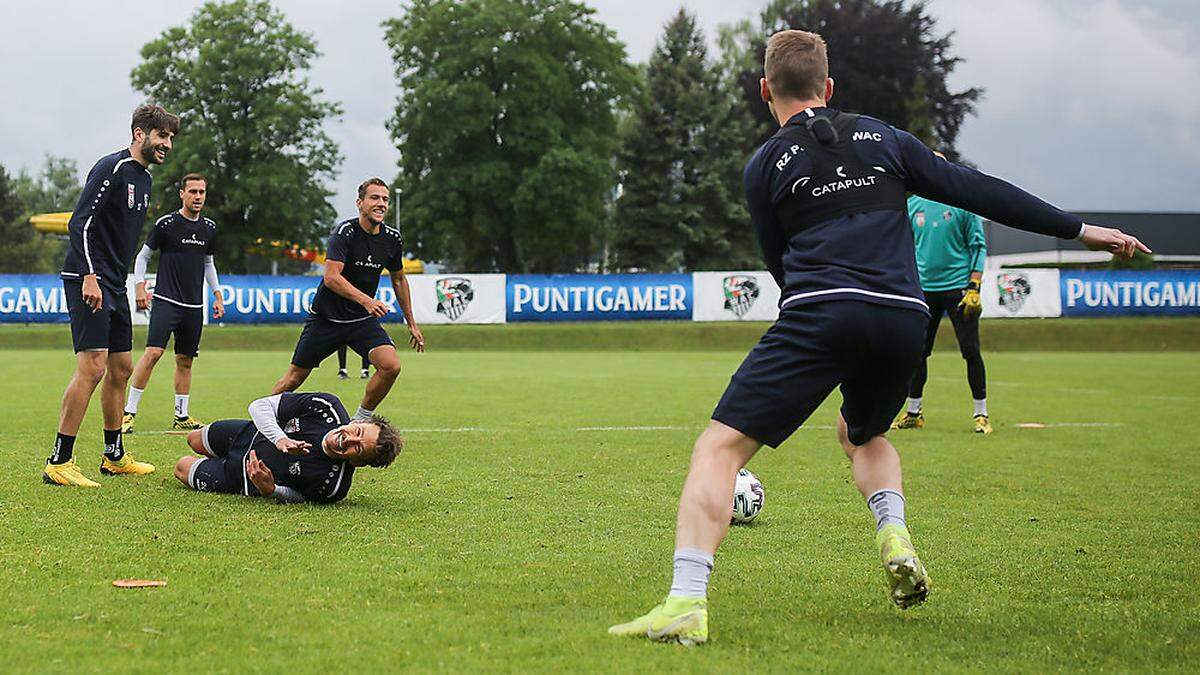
[{"x": 294, "y": 447}]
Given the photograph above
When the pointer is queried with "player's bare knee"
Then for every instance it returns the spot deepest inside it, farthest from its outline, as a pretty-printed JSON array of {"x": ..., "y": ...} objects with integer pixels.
[
  {"x": 843, "y": 436},
  {"x": 183, "y": 362},
  {"x": 153, "y": 354},
  {"x": 91, "y": 371},
  {"x": 119, "y": 372},
  {"x": 195, "y": 441},
  {"x": 183, "y": 467}
]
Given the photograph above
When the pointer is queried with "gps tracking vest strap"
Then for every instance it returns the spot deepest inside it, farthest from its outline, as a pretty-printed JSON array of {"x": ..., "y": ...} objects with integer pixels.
[{"x": 839, "y": 184}]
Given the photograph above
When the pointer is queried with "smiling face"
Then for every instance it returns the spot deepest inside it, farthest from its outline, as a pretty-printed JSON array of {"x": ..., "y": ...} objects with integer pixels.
[
  {"x": 354, "y": 442},
  {"x": 373, "y": 205},
  {"x": 155, "y": 145}
]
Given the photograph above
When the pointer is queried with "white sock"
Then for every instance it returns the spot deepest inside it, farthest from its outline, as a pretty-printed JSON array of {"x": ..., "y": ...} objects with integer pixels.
[
  {"x": 888, "y": 507},
  {"x": 980, "y": 406},
  {"x": 692, "y": 569},
  {"x": 363, "y": 413},
  {"x": 132, "y": 401},
  {"x": 181, "y": 405},
  {"x": 914, "y": 405}
]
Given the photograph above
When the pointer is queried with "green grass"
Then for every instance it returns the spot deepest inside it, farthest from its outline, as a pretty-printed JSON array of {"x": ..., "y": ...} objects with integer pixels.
[
  {"x": 1088, "y": 335},
  {"x": 512, "y": 547}
]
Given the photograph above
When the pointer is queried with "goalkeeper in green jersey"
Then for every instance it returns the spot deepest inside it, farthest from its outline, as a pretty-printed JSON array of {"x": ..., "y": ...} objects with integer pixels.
[{"x": 950, "y": 253}]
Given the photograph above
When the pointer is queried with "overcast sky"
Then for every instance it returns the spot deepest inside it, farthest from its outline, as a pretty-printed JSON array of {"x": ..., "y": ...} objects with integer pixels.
[{"x": 1093, "y": 104}]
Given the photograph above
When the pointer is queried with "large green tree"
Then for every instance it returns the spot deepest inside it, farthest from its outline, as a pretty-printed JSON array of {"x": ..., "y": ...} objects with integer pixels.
[
  {"x": 55, "y": 187},
  {"x": 236, "y": 74},
  {"x": 506, "y": 128},
  {"x": 885, "y": 56},
  {"x": 680, "y": 207}
]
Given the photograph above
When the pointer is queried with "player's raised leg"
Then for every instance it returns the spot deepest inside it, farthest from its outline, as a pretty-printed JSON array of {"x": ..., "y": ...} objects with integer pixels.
[
  {"x": 137, "y": 386},
  {"x": 701, "y": 526},
  {"x": 116, "y": 460},
  {"x": 387, "y": 369},
  {"x": 291, "y": 379}
]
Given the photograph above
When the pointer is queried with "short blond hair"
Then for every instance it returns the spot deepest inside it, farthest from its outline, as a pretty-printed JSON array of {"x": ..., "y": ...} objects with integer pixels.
[{"x": 796, "y": 65}]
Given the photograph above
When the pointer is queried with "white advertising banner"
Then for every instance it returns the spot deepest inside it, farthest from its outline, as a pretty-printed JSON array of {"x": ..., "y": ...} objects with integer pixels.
[
  {"x": 734, "y": 296},
  {"x": 456, "y": 298},
  {"x": 1020, "y": 293}
]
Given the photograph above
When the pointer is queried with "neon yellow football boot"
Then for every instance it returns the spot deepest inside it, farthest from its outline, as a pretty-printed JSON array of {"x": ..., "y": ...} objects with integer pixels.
[
  {"x": 908, "y": 583},
  {"x": 67, "y": 473},
  {"x": 127, "y": 423},
  {"x": 982, "y": 424},
  {"x": 186, "y": 423},
  {"x": 127, "y": 465},
  {"x": 910, "y": 420},
  {"x": 676, "y": 619}
]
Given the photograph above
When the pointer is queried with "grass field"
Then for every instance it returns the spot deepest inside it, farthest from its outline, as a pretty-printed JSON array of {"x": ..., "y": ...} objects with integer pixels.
[{"x": 526, "y": 515}]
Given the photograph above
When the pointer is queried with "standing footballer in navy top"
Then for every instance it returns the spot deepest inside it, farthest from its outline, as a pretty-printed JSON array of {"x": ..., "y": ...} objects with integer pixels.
[
  {"x": 345, "y": 312},
  {"x": 104, "y": 231},
  {"x": 827, "y": 199},
  {"x": 187, "y": 242}
]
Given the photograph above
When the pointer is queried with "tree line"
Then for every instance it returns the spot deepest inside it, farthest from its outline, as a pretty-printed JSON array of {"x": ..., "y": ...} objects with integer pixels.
[{"x": 528, "y": 141}]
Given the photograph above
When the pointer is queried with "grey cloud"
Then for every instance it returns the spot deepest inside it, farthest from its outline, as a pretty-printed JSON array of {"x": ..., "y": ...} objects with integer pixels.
[{"x": 1067, "y": 114}]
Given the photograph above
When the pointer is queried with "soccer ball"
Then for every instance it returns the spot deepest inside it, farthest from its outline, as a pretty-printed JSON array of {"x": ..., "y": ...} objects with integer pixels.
[{"x": 747, "y": 497}]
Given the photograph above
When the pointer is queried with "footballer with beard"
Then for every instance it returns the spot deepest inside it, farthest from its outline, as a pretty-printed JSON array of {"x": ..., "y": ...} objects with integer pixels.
[{"x": 104, "y": 231}]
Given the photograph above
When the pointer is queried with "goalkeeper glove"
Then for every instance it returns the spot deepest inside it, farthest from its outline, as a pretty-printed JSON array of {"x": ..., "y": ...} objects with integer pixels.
[{"x": 971, "y": 305}]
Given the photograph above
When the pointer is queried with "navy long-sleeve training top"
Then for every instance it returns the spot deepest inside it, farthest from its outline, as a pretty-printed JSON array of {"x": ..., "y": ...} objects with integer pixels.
[{"x": 832, "y": 218}]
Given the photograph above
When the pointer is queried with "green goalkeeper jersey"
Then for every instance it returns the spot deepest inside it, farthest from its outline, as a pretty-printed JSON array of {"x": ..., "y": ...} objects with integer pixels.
[{"x": 949, "y": 241}]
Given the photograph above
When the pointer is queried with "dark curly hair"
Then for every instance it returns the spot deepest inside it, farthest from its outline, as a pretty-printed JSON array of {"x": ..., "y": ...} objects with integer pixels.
[{"x": 388, "y": 445}]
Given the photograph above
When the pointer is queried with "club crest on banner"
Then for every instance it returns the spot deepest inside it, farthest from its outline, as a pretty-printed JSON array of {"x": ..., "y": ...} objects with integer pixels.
[
  {"x": 740, "y": 293},
  {"x": 453, "y": 296},
  {"x": 1013, "y": 289}
]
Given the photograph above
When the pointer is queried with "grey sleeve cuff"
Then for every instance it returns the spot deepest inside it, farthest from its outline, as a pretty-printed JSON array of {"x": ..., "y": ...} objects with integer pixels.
[{"x": 286, "y": 495}]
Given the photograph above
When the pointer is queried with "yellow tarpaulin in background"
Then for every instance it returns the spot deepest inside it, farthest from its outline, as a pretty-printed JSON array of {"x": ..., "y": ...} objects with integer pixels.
[{"x": 56, "y": 223}]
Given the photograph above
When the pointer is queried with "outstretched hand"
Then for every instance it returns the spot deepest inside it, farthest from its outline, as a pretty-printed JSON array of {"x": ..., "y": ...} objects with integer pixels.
[
  {"x": 292, "y": 447},
  {"x": 1112, "y": 240}
]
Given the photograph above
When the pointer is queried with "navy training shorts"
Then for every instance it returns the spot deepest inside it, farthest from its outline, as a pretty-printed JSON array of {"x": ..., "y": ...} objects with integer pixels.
[
  {"x": 229, "y": 442},
  {"x": 109, "y": 329},
  {"x": 185, "y": 322},
  {"x": 322, "y": 337},
  {"x": 870, "y": 350}
]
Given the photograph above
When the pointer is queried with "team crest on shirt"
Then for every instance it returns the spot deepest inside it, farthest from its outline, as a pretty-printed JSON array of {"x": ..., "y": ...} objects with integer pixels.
[
  {"x": 294, "y": 468},
  {"x": 740, "y": 293},
  {"x": 1013, "y": 288},
  {"x": 132, "y": 196},
  {"x": 453, "y": 296},
  {"x": 292, "y": 426},
  {"x": 920, "y": 219},
  {"x": 947, "y": 215}
]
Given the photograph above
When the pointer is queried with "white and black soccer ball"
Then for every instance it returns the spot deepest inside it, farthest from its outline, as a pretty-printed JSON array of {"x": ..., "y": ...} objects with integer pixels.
[{"x": 747, "y": 497}]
